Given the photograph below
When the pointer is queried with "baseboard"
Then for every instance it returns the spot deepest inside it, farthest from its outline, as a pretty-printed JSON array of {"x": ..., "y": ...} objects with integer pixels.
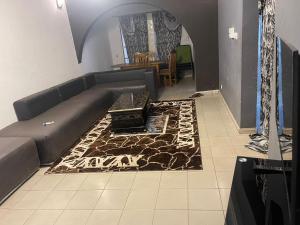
[
  {"x": 240, "y": 130},
  {"x": 210, "y": 92},
  {"x": 247, "y": 130}
]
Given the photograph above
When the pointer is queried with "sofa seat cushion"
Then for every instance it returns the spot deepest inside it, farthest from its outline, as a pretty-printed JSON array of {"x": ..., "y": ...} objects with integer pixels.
[
  {"x": 71, "y": 119},
  {"x": 90, "y": 96},
  {"x": 71, "y": 88},
  {"x": 18, "y": 161},
  {"x": 96, "y": 103}
]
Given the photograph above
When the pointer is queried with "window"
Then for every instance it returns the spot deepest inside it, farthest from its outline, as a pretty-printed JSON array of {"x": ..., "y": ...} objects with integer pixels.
[{"x": 126, "y": 58}]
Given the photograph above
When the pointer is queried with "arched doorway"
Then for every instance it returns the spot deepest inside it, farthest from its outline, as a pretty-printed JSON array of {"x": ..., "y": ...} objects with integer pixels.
[
  {"x": 200, "y": 18},
  {"x": 104, "y": 47}
]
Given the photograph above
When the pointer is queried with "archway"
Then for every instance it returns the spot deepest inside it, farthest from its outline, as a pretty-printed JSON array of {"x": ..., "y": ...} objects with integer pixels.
[
  {"x": 200, "y": 18},
  {"x": 104, "y": 47}
]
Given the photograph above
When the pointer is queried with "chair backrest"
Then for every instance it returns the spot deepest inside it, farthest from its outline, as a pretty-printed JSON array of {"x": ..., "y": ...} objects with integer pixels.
[
  {"x": 184, "y": 54},
  {"x": 151, "y": 56},
  {"x": 172, "y": 62},
  {"x": 141, "y": 58},
  {"x": 144, "y": 58}
]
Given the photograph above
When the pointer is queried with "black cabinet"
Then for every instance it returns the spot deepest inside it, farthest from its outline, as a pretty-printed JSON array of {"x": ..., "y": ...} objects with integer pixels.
[{"x": 259, "y": 193}]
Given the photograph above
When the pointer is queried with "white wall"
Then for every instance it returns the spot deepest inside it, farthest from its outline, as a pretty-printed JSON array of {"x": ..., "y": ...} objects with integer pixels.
[
  {"x": 97, "y": 54},
  {"x": 186, "y": 40},
  {"x": 37, "y": 51},
  {"x": 103, "y": 46},
  {"x": 288, "y": 20},
  {"x": 115, "y": 41},
  {"x": 151, "y": 35}
]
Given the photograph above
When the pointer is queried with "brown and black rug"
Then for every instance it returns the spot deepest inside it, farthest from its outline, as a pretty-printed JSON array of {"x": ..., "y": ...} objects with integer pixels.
[{"x": 175, "y": 147}]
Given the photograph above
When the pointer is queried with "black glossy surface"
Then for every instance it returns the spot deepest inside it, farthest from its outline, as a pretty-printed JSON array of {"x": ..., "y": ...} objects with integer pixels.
[
  {"x": 258, "y": 198},
  {"x": 130, "y": 101},
  {"x": 295, "y": 183},
  {"x": 129, "y": 112}
]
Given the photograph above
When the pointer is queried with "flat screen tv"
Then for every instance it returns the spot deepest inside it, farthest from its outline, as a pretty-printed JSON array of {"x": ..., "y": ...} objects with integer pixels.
[
  {"x": 267, "y": 191},
  {"x": 290, "y": 62},
  {"x": 295, "y": 184}
]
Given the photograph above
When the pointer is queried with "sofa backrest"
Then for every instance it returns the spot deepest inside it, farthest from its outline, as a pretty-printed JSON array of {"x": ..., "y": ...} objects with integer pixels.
[
  {"x": 89, "y": 80},
  {"x": 71, "y": 88},
  {"x": 33, "y": 105},
  {"x": 119, "y": 75}
]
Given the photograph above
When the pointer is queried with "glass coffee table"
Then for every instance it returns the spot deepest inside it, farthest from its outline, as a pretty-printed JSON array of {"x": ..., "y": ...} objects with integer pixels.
[{"x": 129, "y": 112}]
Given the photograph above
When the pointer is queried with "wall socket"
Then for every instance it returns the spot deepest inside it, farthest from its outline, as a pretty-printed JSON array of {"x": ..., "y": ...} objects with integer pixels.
[{"x": 221, "y": 86}]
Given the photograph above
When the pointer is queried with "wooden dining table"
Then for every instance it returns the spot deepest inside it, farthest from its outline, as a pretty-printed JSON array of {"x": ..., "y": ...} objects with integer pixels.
[{"x": 152, "y": 64}]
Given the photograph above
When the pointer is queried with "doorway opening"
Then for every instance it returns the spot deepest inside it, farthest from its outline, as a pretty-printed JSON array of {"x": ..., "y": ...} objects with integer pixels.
[{"x": 127, "y": 30}]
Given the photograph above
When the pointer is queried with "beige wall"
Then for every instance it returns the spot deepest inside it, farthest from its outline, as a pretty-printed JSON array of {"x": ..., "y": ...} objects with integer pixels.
[
  {"x": 115, "y": 40},
  {"x": 288, "y": 20},
  {"x": 186, "y": 40},
  {"x": 37, "y": 51},
  {"x": 103, "y": 47},
  {"x": 96, "y": 51}
]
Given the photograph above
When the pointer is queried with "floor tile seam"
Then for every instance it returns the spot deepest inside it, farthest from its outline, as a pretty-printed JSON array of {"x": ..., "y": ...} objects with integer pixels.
[
  {"x": 27, "y": 219},
  {"x": 88, "y": 217},
  {"x": 38, "y": 205},
  {"x": 55, "y": 186},
  {"x": 12, "y": 208},
  {"x": 187, "y": 195},
  {"x": 219, "y": 190},
  {"x": 34, "y": 183},
  {"x": 129, "y": 192},
  {"x": 69, "y": 201},
  {"x": 65, "y": 210},
  {"x": 76, "y": 192},
  {"x": 156, "y": 200}
]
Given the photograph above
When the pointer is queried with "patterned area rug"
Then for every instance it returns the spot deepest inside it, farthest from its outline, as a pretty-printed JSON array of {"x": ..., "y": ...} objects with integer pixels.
[{"x": 177, "y": 148}]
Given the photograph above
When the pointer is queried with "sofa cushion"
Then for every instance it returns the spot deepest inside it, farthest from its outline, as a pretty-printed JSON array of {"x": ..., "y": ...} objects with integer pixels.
[
  {"x": 118, "y": 88},
  {"x": 33, "y": 105},
  {"x": 97, "y": 103},
  {"x": 143, "y": 76},
  {"x": 89, "y": 80},
  {"x": 18, "y": 161},
  {"x": 71, "y": 88},
  {"x": 119, "y": 76},
  {"x": 122, "y": 85},
  {"x": 71, "y": 119},
  {"x": 90, "y": 96}
]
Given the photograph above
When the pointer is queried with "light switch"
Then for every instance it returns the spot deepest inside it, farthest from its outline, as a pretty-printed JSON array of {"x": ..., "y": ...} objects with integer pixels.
[{"x": 232, "y": 33}]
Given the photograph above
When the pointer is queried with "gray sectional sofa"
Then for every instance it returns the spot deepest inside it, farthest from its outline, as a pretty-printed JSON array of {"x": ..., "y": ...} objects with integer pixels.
[
  {"x": 55, "y": 118},
  {"x": 18, "y": 161}
]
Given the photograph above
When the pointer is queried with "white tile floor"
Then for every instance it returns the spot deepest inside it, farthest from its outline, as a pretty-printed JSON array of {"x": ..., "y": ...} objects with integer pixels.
[{"x": 142, "y": 198}]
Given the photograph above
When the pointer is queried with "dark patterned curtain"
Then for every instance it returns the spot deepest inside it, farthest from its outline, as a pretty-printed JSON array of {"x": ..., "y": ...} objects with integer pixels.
[
  {"x": 267, "y": 68},
  {"x": 168, "y": 33},
  {"x": 135, "y": 33},
  {"x": 260, "y": 141}
]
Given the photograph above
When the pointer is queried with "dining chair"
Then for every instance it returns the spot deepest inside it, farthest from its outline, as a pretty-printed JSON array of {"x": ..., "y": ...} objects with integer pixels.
[
  {"x": 140, "y": 58},
  {"x": 151, "y": 56},
  {"x": 170, "y": 73},
  {"x": 137, "y": 57}
]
